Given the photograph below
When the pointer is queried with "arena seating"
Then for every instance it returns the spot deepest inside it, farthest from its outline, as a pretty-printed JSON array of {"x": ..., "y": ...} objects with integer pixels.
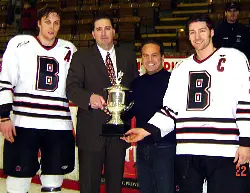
[
  {"x": 134, "y": 20},
  {"x": 6, "y": 31}
]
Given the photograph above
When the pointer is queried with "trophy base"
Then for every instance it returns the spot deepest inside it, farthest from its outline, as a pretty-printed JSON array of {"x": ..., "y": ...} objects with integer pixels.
[{"x": 113, "y": 130}]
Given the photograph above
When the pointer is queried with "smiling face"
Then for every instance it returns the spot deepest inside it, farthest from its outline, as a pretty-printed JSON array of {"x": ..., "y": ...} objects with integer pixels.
[
  {"x": 200, "y": 35},
  {"x": 103, "y": 33},
  {"x": 49, "y": 26},
  {"x": 151, "y": 58}
]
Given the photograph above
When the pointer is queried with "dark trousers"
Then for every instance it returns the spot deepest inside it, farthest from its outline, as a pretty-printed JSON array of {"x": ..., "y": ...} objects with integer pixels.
[
  {"x": 91, "y": 163},
  {"x": 155, "y": 168},
  {"x": 220, "y": 172}
]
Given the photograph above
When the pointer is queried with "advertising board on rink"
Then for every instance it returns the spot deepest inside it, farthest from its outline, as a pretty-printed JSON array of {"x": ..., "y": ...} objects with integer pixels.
[{"x": 168, "y": 64}]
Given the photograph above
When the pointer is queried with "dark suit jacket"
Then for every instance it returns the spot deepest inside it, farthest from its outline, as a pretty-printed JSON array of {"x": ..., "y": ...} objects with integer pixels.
[{"x": 88, "y": 74}]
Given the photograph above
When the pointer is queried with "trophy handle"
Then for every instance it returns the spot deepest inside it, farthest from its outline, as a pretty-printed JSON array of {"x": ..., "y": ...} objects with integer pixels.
[
  {"x": 129, "y": 106},
  {"x": 106, "y": 110}
]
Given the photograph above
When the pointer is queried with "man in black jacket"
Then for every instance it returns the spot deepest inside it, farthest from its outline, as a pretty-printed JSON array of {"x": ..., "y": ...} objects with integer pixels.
[
  {"x": 230, "y": 33},
  {"x": 154, "y": 160}
]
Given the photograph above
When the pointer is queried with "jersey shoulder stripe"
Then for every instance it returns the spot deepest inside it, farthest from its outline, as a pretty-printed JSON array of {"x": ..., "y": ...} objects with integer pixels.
[
  {"x": 33, "y": 96},
  {"x": 208, "y": 141},
  {"x": 204, "y": 119},
  {"x": 27, "y": 114},
  {"x": 40, "y": 106}
]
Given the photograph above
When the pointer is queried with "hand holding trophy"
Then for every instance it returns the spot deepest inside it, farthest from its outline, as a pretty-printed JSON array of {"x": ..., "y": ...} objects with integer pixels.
[{"x": 115, "y": 106}]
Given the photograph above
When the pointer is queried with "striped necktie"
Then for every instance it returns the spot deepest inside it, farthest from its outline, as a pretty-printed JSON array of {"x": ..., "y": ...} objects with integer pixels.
[{"x": 110, "y": 67}]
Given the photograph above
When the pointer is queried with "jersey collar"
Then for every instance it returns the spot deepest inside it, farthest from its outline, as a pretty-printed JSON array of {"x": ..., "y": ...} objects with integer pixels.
[
  {"x": 47, "y": 47},
  {"x": 200, "y": 61}
]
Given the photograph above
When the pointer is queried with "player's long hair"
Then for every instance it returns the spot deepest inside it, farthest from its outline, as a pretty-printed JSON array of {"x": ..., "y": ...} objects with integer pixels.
[{"x": 45, "y": 11}]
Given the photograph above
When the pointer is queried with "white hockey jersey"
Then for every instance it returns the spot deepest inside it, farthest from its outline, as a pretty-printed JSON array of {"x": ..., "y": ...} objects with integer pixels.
[
  {"x": 208, "y": 102},
  {"x": 36, "y": 75}
]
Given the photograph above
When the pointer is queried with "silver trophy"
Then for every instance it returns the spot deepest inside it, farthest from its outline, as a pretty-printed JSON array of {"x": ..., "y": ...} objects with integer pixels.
[{"x": 115, "y": 106}]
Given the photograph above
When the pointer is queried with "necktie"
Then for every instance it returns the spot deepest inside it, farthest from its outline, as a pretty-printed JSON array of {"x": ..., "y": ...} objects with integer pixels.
[{"x": 110, "y": 67}]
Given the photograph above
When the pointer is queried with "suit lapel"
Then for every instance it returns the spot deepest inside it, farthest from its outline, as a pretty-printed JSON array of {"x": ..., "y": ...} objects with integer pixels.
[
  {"x": 99, "y": 63},
  {"x": 120, "y": 64}
]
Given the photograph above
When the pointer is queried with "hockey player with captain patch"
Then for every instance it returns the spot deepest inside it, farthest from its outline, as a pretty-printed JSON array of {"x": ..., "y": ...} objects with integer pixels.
[
  {"x": 32, "y": 84},
  {"x": 208, "y": 104}
]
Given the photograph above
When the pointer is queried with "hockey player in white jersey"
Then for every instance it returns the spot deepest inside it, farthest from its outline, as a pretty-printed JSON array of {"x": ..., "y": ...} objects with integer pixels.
[
  {"x": 32, "y": 84},
  {"x": 208, "y": 103}
]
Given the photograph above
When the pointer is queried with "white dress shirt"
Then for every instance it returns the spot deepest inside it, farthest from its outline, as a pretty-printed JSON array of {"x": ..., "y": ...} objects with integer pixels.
[{"x": 112, "y": 56}]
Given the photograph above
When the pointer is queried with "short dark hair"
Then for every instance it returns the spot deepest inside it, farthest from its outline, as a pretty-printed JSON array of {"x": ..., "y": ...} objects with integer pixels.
[
  {"x": 45, "y": 11},
  {"x": 200, "y": 17},
  {"x": 153, "y": 41},
  {"x": 102, "y": 16}
]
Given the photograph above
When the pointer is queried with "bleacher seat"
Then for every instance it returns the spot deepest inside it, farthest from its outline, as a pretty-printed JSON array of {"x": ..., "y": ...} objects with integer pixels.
[
  {"x": 89, "y": 2},
  {"x": 109, "y": 9},
  {"x": 105, "y": 2},
  {"x": 87, "y": 12},
  {"x": 149, "y": 13},
  {"x": 165, "y": 5},
  {"x": 128, "y": 27},
  {"x": 128, "y": 9}
]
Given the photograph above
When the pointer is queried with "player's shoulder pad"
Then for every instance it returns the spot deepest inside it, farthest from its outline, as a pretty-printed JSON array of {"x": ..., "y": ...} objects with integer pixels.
[
  {"x": 232, "y": 52},
  {"x": 20, "y": 40},
  {"x": 236, "y": 55},
  {"x": 178, "y": 64},
  {"x": 68, "y": 44}
]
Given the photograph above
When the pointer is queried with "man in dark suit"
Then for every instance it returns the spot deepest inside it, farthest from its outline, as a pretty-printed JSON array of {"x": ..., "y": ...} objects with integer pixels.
[{"x": 87, "y": 76}]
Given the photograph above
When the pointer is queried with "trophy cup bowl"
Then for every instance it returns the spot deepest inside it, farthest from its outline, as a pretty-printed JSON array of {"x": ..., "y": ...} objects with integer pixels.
[
  {"x": 115, "y": 106},
  {"x": 116, "y": 103}
]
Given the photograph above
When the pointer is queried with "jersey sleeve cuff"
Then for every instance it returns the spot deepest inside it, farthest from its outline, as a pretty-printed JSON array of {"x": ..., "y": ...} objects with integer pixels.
[
  {"x": 5, "y": 110},
  {"x": 155, "y": 131},
  {"x": 244, "y": 141}
]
